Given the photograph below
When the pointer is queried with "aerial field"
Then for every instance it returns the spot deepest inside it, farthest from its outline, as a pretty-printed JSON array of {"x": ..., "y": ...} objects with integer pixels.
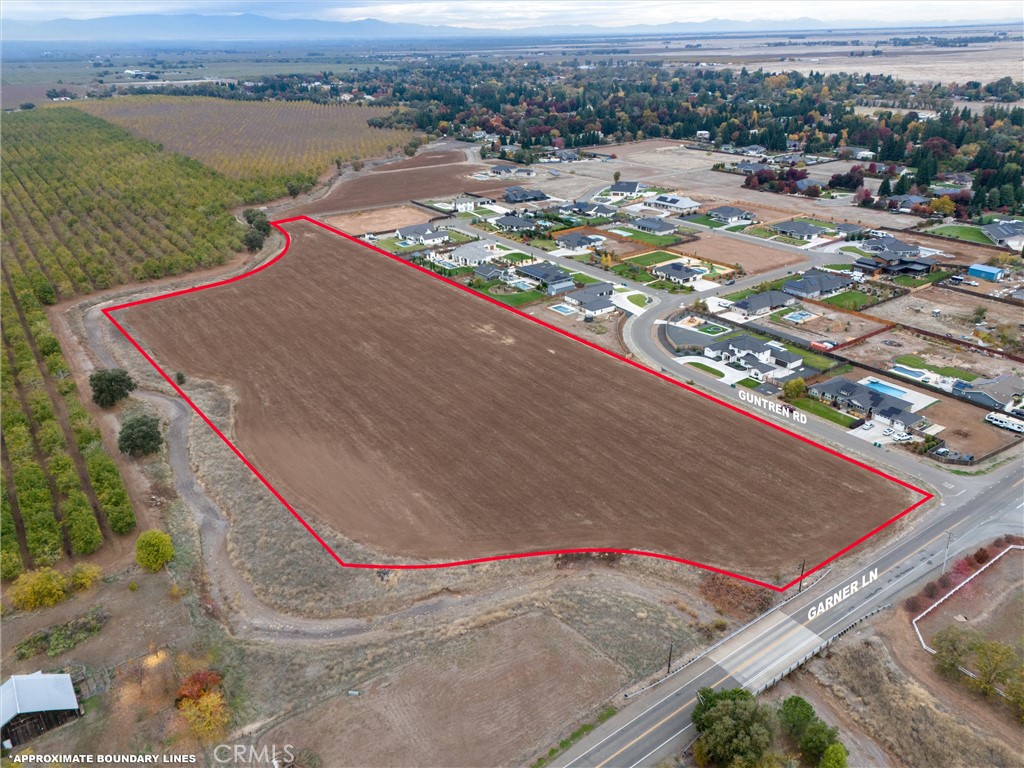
[
  {"x": 385, "y": 219},
  {"x": 423, "y": 160},
  {"x": 429, "y": 424},
  {"x": 248, "y": 139}
]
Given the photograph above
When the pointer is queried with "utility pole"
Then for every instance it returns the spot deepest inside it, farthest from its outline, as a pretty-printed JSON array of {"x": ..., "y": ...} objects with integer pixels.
[
  {"x": 669, "y": 668},
  {"x": 803, "y": 563},
  {"x": 949, "y": 538}
]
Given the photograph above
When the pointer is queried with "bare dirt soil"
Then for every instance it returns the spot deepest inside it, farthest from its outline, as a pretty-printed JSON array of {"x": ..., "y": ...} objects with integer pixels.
[
  {"x": 991, "y": 603},
  {"x": 963, "y": 253},
  {"x": 399, "y": 187},
  {"x": 423, "y": 160},
  {"x": 603, "y": 331},
  {"x": 956, "y": 313},
  {"x": 377, "y": 220},
  {"x": 491, "y": 698},
  {"x": 965, "y": 427},
  {"x": 876, "y": 352},
  {"x": 829, "y": 324},
  {"x": 752, "y": 257},
  {"x": 492, "y": 397}
]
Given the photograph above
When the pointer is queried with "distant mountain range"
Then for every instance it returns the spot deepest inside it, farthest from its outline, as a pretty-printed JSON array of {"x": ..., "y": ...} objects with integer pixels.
[{"x": 196, "y": 27}]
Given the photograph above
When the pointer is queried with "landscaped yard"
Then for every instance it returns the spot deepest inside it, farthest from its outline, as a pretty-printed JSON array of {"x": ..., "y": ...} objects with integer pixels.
[
  {"x": 515, "y": 299},
  {"x": 774, "y": 285},
  {"x": 459, "y": 237},
  {"x": 703, "y": 218},
  {"x": 654, "y": 257},
  {"x": 707, "y": 369},
  {"x": 913, "y": 282},
  {"x": 544, "y": 245},
  {"x": 913, "y": 361},
  {"x": 839, "y": 267},
  {"x": 390, "y": 244},
  {"x": 583, "y": 279},
  {"x": 790, "y": 241},
  {"x": 711, "y": 329},
  {"x": 515, "y": 257},
  {"x": 649, "y": 239},
  {"x": 638, "y": 298},
  {"x": 820, "y": 409},
  {"x": 854, "y": 249},
  {"x": 632, "y": 272},
  {"x": 749, "y": 383},
  {"x": 736, "y": 228},
  {"x": 818, "y": 223},
  {"x": 849, "y": 300},
  {"x": 812, "y": 359},
  {"x": 668, "y": 285},
  {"x": 759, "y": 232},
  {"x": 961, "y": 232}
]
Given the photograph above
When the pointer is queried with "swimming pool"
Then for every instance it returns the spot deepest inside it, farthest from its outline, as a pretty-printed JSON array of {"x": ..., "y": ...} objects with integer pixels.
[
  {"x": 446, "y": 264},
  {"x": 800, "y": 316},
  {"x": 563, "y": 309},
  {"x": 910, "y": 373},
  {"x": 886, "y": 389},
  {"x": 522, "y": 285}
]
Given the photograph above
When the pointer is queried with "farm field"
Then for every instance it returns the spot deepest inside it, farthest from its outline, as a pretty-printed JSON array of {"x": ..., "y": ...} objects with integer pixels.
[
  {"x": 991, "y": 603},
  {"x": 253, "y": 139},
  {"x": 377, "y": 220},
  {"x": 422, "y": 160},
  {"x": 423, "y": 498},
  {"x": 505, "y": 706}
]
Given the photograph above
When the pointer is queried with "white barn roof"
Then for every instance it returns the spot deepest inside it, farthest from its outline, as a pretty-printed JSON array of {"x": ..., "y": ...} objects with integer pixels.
[{"x": 35, "y": 693}]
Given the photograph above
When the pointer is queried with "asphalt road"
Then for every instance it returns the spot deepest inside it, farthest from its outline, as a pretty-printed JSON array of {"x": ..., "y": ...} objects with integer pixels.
[{"x": 657, "y": 724}]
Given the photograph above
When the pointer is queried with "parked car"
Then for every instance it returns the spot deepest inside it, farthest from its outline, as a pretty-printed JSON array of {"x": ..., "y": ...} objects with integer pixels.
[
  {"x": 730, "y": 282},
  {"x": 888, "y": 431},
  {"x": 868, "y": 425}
]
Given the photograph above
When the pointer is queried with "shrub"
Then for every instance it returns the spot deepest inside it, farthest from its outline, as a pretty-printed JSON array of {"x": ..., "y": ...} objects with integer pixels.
[
  {"x": 945, "y": 581},
  {"x": 110, "y": 386},
  {"x": 208, "y": 715},
  {"x": 981, "y": 556},
  {"x": 179, "y": 378},
  {"x": 931, "y": 589},
  {"x": 83, "y": 576},
  {"x": 796, "y": 714},
  {"x": 140, "y": 435},
  {"x": 38, "y": 589},
  {"x": 914, "y": 603},
  {"x": 153, "y": 550},
  {"x": 197, "y": 684}
]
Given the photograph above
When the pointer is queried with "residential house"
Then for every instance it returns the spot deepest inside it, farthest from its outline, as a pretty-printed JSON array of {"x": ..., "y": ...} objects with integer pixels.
[
  {"x": 474, "y": 254},
  {"x": 566, "y": 155},
  {"x": 422, "y": 234},
  {"x": 759, "y": 359},
  {"x": 761, "y": 303},
  {"x": 588, "y": 210},
  {"x": 33, "y": 704},
  {"x": 551, "y": 277},
  {"x": 681, "y": 206},
  {"x": 849, "y": 230},
  {"x": 1002, "y": 393},
  {"x": 653, "y": 226},
  {"x": 514, "y": 223},
  {"x": 676, "y": 272},
  {"x": 749, "y": 168},
  {"x": 489, "y": 272},
  {"x": 521, "y": 195},
  {"x": 906, "y": 203},
  {"x": 730, "y": 214},
  {"x": 790, "y": 158},
  {"x": 815, "y": 284},
  {"x": 592, "y": 300},
  {"x": 857, "y": 153},
  {"x": 466, "y": 204},
  {"x": 575, "y": 241},
  {"x": 799, "y": 230},
  {"x": 622, "y": 189},
  {"x": 754, "y": 150},
  {"x": 1007, "y": 234},
  {"x": 703, "y": 136},
  {"x": 864, "y": 401},
  {"x": 511, "y": 171},
  {"x": 890, "y": 244}
]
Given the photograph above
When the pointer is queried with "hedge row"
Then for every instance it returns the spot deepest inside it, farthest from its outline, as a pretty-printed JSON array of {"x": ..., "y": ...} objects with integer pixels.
[
  {"x": 10, "y": 553},
  {"x": 110, "y": 492}
]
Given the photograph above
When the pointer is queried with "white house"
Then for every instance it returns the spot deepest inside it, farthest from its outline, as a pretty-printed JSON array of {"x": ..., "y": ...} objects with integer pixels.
[
  {"x": 681, "y": 206},
  {"x": 474, "y": 254},
  {"x": 424, "y": 234},
  {"x": 730, "y": 214}
]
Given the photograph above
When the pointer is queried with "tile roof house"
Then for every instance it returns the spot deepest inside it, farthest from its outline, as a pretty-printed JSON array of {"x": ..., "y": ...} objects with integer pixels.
[
  {"x": 676, "y": 273},
  {"x": 675, "y": 203},
  {"x": 815, "y": 284},
  {"x": 654, "y": 226},
  {"x": 859, "y": 398},
  {"x": 798, "y": 230},
  {"x": 424, "y": 234},
  {"x": 731, "y": 214},
  {"x": 520, "y": 195},
  {"x": 762, "y": 303}
]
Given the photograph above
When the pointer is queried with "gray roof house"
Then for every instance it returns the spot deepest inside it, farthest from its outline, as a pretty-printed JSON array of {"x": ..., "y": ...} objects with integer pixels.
[
  {"x": 575, "y": 241},
  {"x": 1006, "y": 233},
  {"x": 514, "y": 223},
  {"x": 859, "y": 398},
  {"x": 424, "y": 234},
  {"x": 676, "y": 273},
  {"x": 996, "y": 393},
  {"x": 814, "y": 284},
  {"x": 730, "y": 214},
  {"x": 488, "y": 272},
  {"x": 887, "y": 243},
  {"x": 849, "y": 229},
  {"x": 553, "y": 278},
  {"x": 654, "y": 226},
  {"x": 760, "y": 303},
  {"x": 474, "y": 254},
  {"x": 674, "y": 203},
  {"x": 625, "y": 188},
  {"x": 520, "y": 195},
  {"x": 799, "y": 230},
  {"x": 33, "y": 704},
  {"x": 748, "y": 167},
  {"x": 590, "y": 210},
  {"x": 593, "y": 299},
  {"x": 760, "y": 359}
]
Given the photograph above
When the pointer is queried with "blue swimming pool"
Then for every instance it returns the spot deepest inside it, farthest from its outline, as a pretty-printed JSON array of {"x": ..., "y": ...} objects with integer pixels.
[
  {"x": 563, "y": 309},
  {"x": 908, "y": 372},
  {"x": 886, "y": 389},
  {"x": 447, "y": 264},
  {"x": 522, "y": 285},
  {"x": 799, "y": 316}
]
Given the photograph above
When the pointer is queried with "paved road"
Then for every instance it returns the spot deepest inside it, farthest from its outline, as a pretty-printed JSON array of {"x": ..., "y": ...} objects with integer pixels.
[{"x": 658, "y": 725}]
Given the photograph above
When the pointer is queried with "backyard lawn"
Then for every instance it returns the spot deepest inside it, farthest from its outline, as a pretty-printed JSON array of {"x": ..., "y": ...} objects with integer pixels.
[
  {"x": 514, "y": 257},
  {"x": 849, "y": 300},
  {"x": 790, "y": 241},
  {"x": 760, "y": 232},
  {"x": 913, "y": 361},
  {"x": 912, "y": 282},
  {"x": 649, "y": 239},
  {"x": 820, "y": 409},
  {"x": 961, "y": 232},
  {"x": 703, "y": 218},
  {"x": 839, "y": 267},
  {"x": 654, "y": 257},
  {"x": 749, "y": 383},
  {"x": 818, "y": 223},
  {"x": 632, "y": 272},
  {"x": 707, "y": 369},
  {"x": 515, "y": 299}
]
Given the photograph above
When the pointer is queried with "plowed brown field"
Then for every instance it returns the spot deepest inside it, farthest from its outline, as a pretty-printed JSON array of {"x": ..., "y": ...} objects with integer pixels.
[{"x": 424, "y": 421}]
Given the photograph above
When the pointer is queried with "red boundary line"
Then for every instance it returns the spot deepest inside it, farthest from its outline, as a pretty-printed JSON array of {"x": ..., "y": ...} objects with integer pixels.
[{"x": 278, "y": 225}]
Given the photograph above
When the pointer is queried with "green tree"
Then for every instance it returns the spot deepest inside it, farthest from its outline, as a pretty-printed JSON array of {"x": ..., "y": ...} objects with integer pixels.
[
  {"x": 834, "y": 757},
  {"x": 885, "y": 188},
  {"x": 153, "y": 550},
  {"x": 707, "y": 698},
  {"x": 992, "y": 663},
  {"x": 253, "y": 240},
  {"x": 1014, "y": 690},
  {"x": 110, "y": 386},
  {"x": 794, "y": 388},
  {"x": 952, "y": 646},
  {"x": 902, "y": 185},
  {"x": 617, "y": 175},
  {"x": 817, "y": 738},
  {"x": 979, "y": 314},
  {"x": 140, "y": 435},
  {"x": 738, "y": 730},
  {"x": 795, "y": 715}
]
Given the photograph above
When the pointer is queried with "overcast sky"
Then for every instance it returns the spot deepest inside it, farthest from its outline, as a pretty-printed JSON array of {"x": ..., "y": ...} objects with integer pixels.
[{"x": 509, "y": 14}]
